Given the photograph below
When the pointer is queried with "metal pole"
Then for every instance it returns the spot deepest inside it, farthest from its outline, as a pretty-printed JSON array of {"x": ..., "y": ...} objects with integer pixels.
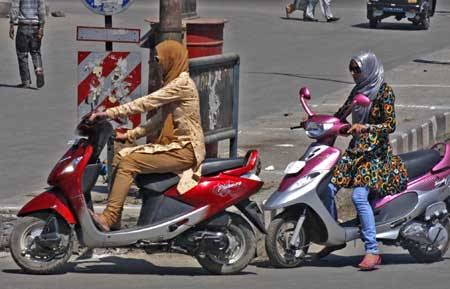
[
  {"x": 234, "y": 141},
  {"x": 110, "y": 143},
  {"x": 170, "y": 20},
  {"x": 108, "y": 24}
]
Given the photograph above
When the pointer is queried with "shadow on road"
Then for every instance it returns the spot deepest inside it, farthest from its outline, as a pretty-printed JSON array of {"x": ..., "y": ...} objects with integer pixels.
[
  {"x": 336, "y": 261},
  {"x": 301, "y": 19},
  {"x": 390, "y": 26},
  {"x": 15, "y": 86},
  {"x": 129, "y": 266}
]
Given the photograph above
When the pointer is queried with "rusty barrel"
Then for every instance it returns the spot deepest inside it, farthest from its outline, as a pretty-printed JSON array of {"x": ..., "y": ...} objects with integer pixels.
[{"x": 204, "y": 36}]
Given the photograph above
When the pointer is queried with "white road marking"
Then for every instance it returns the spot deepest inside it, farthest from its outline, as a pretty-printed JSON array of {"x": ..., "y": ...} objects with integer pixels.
[
  {"x": 285, "y": 145},
  {"x": 422, "y": 85}
]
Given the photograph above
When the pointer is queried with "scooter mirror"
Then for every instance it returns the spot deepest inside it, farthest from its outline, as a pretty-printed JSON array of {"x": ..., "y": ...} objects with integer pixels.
[
  {"x": 304, "y": 93},
  {"x": 361, "y": 99}
]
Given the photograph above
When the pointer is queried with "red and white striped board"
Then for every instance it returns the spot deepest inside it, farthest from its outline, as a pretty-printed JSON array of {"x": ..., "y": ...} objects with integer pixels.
[{"x": 108, "y": 79}]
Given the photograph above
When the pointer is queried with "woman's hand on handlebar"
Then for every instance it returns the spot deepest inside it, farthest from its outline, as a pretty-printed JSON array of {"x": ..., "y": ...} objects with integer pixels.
[
  {"x": 358, "y": 128},
  {"x": 98, "y": 115}
]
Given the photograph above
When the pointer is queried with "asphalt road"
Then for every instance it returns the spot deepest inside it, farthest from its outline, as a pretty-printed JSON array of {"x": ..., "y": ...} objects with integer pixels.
[
  {"x": 176, "y": 271},
  {"x": 277, "y": 56}
]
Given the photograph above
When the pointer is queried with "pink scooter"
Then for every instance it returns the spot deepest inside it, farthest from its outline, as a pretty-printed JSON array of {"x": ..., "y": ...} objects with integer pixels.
[{"x": 416, "y": 219}]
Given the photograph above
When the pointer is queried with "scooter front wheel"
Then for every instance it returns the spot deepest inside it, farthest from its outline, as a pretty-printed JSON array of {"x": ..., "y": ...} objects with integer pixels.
[
  {"x": 36, "y": 249},
  {"x": 280, "y": 252}
]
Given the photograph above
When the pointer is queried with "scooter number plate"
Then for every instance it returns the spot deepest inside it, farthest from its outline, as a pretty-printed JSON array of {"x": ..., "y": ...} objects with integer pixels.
[{"x": 294, "y": 167}]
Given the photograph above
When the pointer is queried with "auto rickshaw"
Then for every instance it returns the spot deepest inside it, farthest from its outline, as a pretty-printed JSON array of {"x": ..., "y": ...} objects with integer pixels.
[{"x": 418, "y": 12}]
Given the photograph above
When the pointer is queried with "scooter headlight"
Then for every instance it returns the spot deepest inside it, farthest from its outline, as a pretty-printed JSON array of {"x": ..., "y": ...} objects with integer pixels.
[
  {"x": 70, "y": 168},
  {"x": 315, "y": 130}
]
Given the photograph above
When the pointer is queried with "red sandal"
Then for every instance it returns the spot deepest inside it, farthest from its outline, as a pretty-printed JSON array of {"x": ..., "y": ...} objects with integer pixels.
[{"x": 370, "y": 262}]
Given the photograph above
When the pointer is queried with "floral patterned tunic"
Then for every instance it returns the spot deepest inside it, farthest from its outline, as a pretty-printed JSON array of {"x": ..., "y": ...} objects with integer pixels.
[{"x": 368, "y": 161}]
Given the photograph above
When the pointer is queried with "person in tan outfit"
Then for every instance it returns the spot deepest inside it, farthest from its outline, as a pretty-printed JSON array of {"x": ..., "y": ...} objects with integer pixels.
[{"x": 180, "y": 147}]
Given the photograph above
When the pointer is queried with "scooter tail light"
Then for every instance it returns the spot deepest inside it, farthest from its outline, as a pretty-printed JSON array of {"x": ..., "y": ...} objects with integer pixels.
[{"x": 252, "y": 159}]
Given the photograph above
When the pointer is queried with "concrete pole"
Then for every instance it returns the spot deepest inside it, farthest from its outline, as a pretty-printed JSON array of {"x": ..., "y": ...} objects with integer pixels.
[{"x": 170, "y": 20}]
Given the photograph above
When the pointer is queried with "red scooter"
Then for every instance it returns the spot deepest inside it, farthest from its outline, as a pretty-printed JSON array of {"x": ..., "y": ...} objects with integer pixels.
[{"x": 195, "y": 223}]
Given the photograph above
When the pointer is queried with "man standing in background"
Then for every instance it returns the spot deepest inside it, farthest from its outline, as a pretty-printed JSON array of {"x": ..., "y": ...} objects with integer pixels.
[{"x": 29, "y": 15}]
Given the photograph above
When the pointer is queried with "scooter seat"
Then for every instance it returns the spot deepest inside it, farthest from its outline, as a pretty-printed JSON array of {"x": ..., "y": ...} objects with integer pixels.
[
  {"x": 159, "y": 183},
  {"x": 420, "y": 162},
  {"x": 214, "y": 166}
]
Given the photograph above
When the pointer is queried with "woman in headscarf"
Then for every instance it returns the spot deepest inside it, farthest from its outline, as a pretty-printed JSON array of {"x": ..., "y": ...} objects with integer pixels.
[
  {"x": 180, "y": 147},
  {"x": 368, "y": 165}
]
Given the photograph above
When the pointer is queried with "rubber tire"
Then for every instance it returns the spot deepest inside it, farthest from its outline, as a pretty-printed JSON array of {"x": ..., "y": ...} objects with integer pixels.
[
  {"x": 210, "y": 265},
  {"x": 43, "y": 268},
  {"x": 425, "y": 22},
  {"x": 373, "y": 23},
  {"x": 271, "y": 242},
  {"x": 430, "y": 257}
]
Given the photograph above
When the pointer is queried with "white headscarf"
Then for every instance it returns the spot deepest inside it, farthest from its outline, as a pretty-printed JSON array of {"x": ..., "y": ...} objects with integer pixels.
[{"x": 368, "y": 83}]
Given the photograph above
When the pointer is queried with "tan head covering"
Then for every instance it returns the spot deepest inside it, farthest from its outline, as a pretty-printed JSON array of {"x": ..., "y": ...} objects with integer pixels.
[{"x": 174, "y": 59}]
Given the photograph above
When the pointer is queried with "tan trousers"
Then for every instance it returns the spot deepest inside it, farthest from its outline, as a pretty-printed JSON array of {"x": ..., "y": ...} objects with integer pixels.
[{"x": 126, "y": 168}]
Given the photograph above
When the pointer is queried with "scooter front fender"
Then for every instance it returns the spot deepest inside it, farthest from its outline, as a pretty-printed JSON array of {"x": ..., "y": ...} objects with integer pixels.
[{"x": 49, "y": 200}]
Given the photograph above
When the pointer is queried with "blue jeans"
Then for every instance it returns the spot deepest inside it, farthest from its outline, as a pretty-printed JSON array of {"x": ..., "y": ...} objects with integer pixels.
[{"x": 365, "y": 213}]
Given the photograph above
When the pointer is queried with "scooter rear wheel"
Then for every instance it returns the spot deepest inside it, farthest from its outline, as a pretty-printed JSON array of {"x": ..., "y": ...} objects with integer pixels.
[
  {"x": 34, "y": 258},
  {"x": 240, "y": 252},
  {"x": 278, "y": 238}
]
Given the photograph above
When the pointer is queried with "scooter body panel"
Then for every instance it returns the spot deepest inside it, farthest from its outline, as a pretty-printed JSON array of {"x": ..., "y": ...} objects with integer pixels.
[
  {"x": 217, "y": 192},
  {"x": 49, "y": 200}
]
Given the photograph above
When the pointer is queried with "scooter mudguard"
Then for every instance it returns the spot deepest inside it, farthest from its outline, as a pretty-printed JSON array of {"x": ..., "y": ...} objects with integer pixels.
[{"x": 49, "y": 200}]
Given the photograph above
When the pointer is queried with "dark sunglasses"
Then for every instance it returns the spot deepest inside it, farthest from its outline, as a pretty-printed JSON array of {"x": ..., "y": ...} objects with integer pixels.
[{"x": 354, "y": 68}]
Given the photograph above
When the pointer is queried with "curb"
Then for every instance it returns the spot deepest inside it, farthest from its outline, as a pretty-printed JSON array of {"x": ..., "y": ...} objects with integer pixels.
[{"x": 423, "y": 136}]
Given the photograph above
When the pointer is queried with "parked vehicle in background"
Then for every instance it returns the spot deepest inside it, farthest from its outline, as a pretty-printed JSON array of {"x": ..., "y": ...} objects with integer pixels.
[{"x": 418, "y": 12}]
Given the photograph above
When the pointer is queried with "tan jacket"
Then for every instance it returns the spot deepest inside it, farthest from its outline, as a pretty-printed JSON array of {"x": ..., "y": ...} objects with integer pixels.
[{"x": 180, "y": 98}]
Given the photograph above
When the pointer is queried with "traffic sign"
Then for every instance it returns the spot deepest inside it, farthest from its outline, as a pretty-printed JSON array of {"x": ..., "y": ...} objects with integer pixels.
[
  {"x": 126, "y": 35},
  {"x": 108, "y": 79},
  {"x": 107, "y": 7}
]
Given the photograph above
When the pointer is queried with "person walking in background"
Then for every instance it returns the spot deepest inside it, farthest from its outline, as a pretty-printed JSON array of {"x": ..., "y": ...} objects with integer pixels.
[
  {"x": 29, "y": 15},
  {"x": 297, "y": 5},
  {"x": 309, "y": 7}
]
